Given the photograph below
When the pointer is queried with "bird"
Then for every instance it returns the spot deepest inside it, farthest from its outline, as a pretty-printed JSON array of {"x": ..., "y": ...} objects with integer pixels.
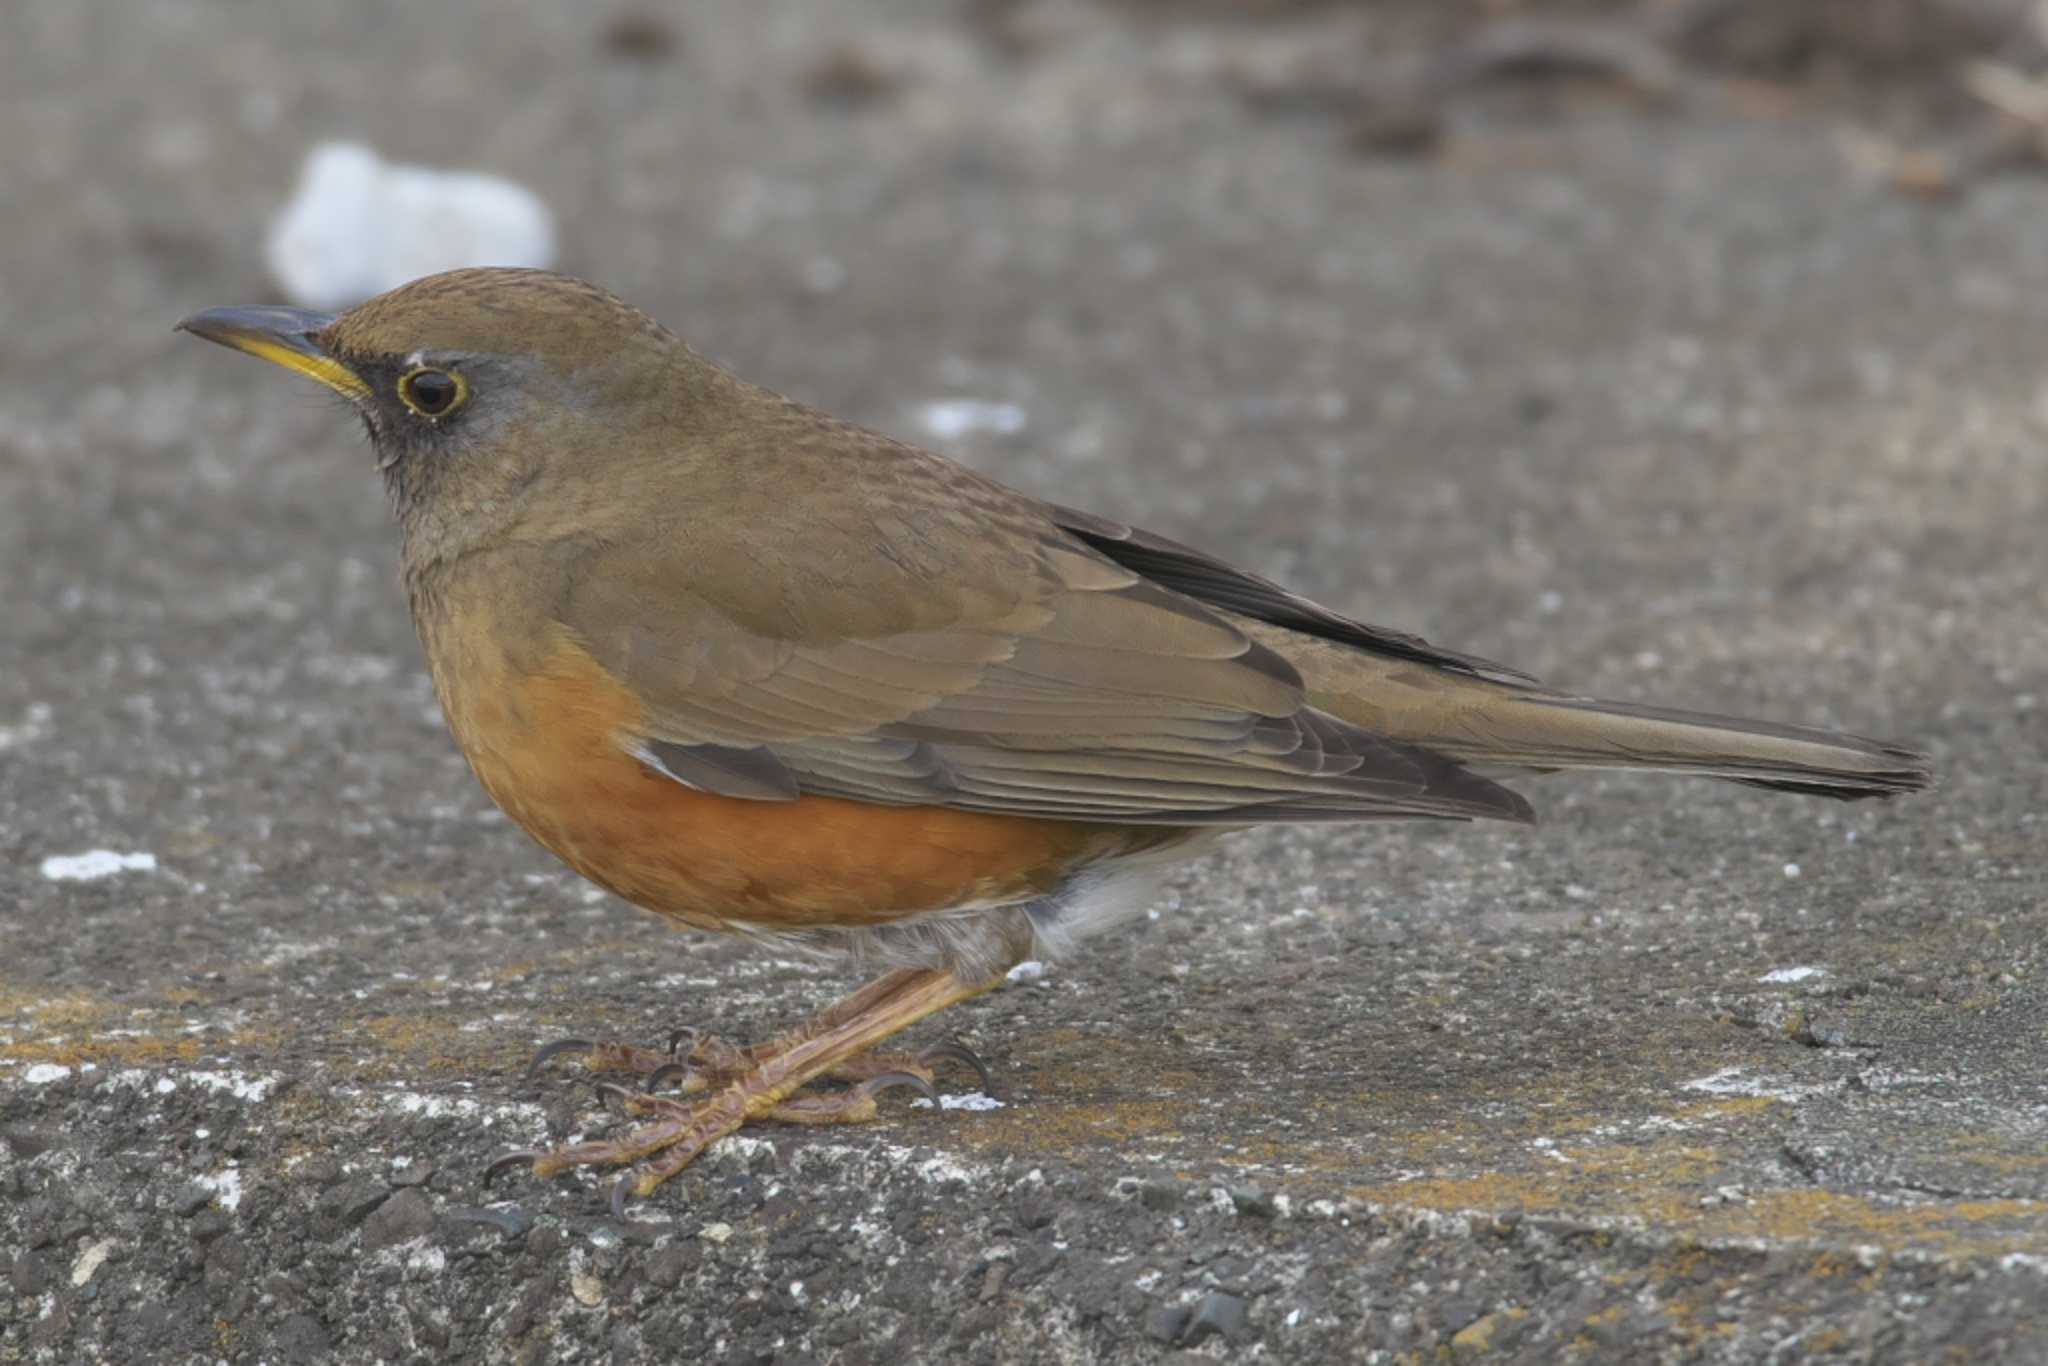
[{"x": 768, "y": 673}]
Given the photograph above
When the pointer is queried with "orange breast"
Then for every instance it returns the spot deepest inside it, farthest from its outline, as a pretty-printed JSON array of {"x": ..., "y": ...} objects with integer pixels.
[{"x": 547, "y": 745}]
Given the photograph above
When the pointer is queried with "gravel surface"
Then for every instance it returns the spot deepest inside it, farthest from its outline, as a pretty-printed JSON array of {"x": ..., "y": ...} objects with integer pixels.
[{"x": 1669, "y": 403}]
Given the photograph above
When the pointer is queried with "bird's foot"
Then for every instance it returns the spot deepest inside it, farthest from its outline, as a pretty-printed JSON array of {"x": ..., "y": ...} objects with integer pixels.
[
  {"x": 732, "y": 1087},
  {"x": 683, "y": 1129},
  {"x": 709, "y": 1061}
]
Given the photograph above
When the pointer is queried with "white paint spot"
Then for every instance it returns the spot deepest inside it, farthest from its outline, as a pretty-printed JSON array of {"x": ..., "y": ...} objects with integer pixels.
[
  {"x": 1030, "y": 970},
  {"x": 89, "y": 1261},
  {"x": 952, "y": 418},
  {"x": 975, "y": 1101},
  {"x": 1791, "y": 870},
  {"x": 1881, "y": 1079},
  {"x": 937, "y": 1169},
  {"x": 94, "y": 864},
  {"x": 1733, "y": 1081},
  {"x": 1729, "y": 1081},
  {"x": 226, "y": 1186},
  {"x": 437, "y": 1107},
  {"x": 43, "y": 1073},
  {"x": 359, "y": 225},
  {"x": 237, "y": 1084},
  {"x": 164, "y": 1086},
  {"x": 1804, "y": 972}
]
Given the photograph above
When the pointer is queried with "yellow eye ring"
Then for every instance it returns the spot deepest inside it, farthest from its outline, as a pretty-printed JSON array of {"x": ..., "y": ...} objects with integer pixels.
[{"x": 431, "y": 392}]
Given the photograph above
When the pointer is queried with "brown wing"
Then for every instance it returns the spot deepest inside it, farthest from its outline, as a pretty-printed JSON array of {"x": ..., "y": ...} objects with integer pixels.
[{"x": 941, "y": 642}]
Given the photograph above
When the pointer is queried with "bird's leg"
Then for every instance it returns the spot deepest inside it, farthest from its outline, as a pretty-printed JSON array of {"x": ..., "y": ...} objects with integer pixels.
[
  {"x": 711, "y": 1061},
  {"x": 764, "y": 1091},
  {"x": 721, "y": 1063}
]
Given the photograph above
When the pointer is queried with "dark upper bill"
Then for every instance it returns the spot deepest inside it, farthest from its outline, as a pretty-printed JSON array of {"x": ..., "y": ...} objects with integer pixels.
[{"x": 283, "y": 336}]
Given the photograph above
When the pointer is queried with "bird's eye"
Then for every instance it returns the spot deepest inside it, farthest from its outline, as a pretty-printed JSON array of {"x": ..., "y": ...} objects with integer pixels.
[{"x": 433, "y": 393}]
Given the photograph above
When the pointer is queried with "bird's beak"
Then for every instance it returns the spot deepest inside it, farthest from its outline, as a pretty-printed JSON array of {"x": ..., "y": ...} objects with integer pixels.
[{"x": 285, "y": 336}]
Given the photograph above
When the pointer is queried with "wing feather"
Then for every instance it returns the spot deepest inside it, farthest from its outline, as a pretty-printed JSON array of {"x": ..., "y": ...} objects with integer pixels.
[{"x": 1048, "y": 677}]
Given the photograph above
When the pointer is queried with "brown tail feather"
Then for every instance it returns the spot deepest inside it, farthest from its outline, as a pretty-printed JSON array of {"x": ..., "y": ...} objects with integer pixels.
[
  {"x": 1499, "y": 727},
  {"x": 1545, "y": 731}
]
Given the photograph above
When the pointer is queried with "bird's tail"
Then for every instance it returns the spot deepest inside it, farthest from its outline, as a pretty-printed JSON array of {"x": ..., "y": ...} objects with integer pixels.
[{"x": 1538, "y": 731}]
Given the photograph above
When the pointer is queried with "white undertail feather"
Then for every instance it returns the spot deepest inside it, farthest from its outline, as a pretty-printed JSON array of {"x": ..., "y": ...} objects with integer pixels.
[{"x": 979, "y": 942}]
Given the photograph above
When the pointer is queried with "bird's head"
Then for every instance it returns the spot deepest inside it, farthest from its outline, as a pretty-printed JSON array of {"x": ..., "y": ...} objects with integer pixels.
[{"x": 482, "y": 388}]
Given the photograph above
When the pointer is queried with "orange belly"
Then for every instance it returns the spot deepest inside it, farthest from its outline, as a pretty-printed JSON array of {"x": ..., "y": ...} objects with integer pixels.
[{"x": 548, "y": 746}]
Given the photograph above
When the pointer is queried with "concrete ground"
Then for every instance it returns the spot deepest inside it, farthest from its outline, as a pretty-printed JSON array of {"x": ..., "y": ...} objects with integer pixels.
[{"x": 1668, "y": 403}]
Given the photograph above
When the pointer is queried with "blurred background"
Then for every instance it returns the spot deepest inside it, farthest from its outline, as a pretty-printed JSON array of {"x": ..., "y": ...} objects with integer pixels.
[{"x": 1678, "y": 349}]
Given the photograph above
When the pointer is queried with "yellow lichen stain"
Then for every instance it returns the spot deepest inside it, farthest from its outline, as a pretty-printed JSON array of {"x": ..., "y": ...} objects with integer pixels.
[
  {"x": 1057, "y": 1128},
  {"x": 1072, "y": 1062},
  {"x": 1662, "y": 1184},
  {"x": 2026, "y": 1162},
  {"x": 78, "y": 1028},
  {"x": 1661, "y": 1177},
  {"x": 422, "y": 1039},
  {"x": 1980, "y": 1226},
  {"x": 1730, "y": 1108},
  {"x": 1476, "y": 1337},
  {"x": 100, "y": 1052},
  {"x": 1868, "y": 1273},
  {"x": 45, "y": 1011},
  {"x": 1823, "y": 1340}
]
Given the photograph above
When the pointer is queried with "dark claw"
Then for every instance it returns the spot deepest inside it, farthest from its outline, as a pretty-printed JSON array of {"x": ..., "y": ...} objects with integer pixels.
[
  {"x": 952, "y": 1050},
  {"x": 663, "y": 1073},
  {"x": 619, "y": 1190},
  {"x": 676, "y": 1037},
  {"x": 511, "y": 1159},
  {"x": 558, "y": 1046},
  {"x": 874, "y": 1086},
  {"x": 607, "y": 1091}
]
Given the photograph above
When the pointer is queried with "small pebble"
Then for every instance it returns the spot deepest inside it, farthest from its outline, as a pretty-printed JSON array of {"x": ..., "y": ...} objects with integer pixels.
[
  {"x": 512, "y": 1221},
  {"x": 1159, "y": 1195},
  {"x": 1166, "y": 1322},
  {"x": 194, "y": 1197},
  {"x": 1216, "y": 1314},
  {"x": 1252, "y": 1201}
]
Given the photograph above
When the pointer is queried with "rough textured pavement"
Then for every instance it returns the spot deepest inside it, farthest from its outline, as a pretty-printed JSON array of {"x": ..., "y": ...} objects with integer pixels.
[{"x": 1665, "y": 405}]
